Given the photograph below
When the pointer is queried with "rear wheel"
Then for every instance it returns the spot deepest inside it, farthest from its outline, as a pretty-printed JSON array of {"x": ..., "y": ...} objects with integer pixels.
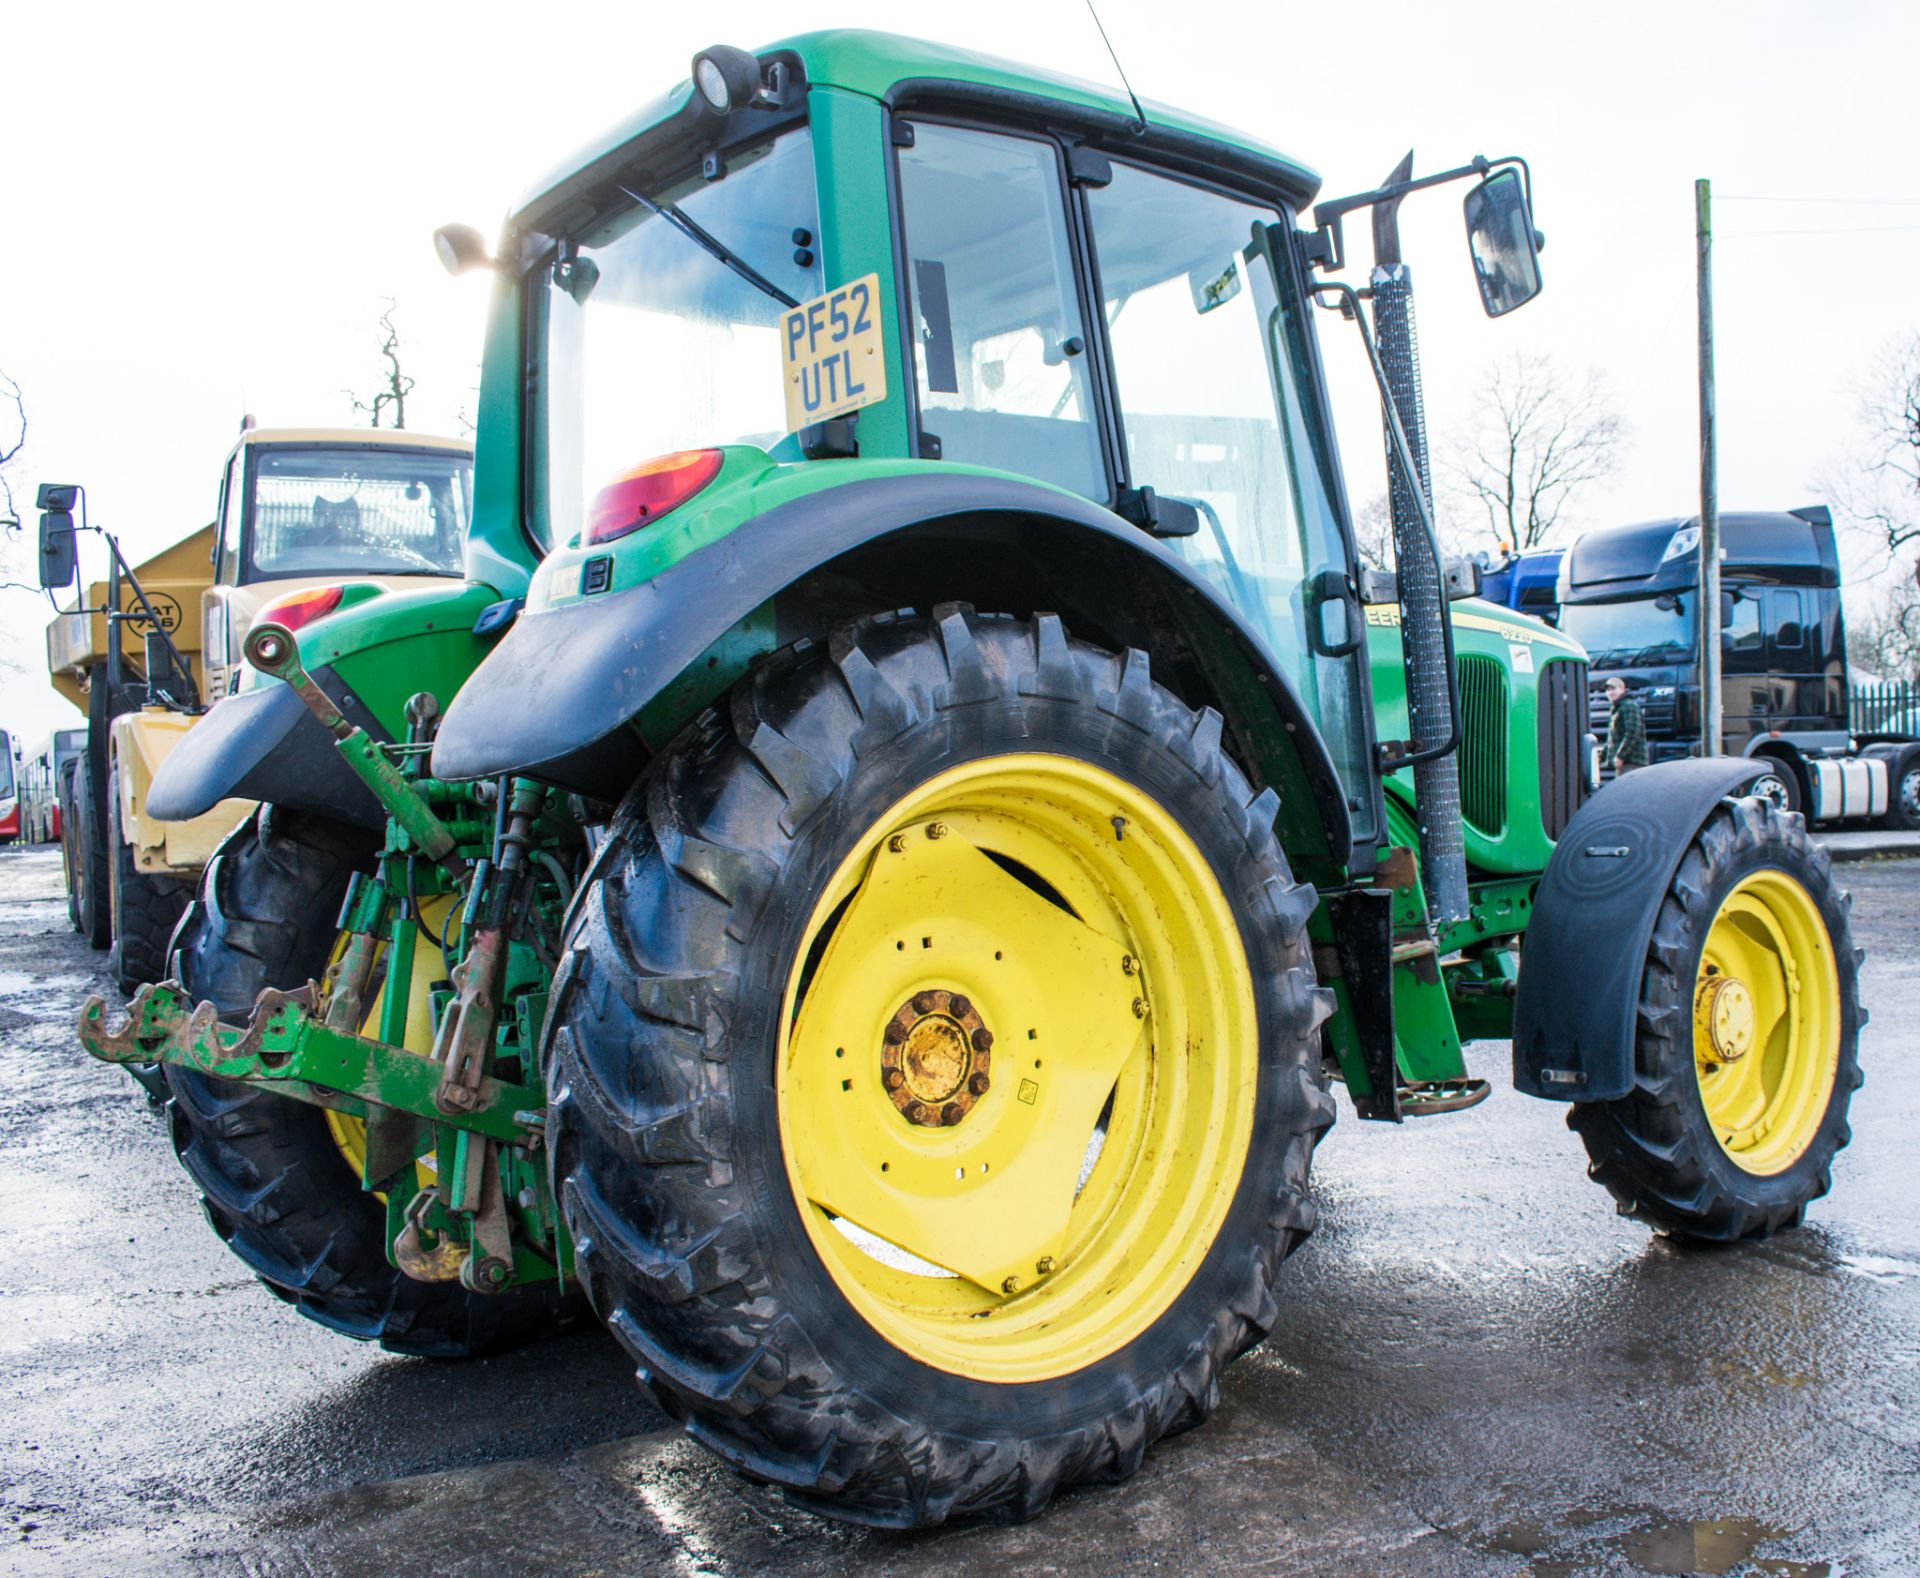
[
  {"x": 146, "y": 907},
  {"x": 1903, "y": 787},
  {"x": 275, "y": 1175},
  {"x": 1746, "y": 1055},
  {"x": 908, "y": 1062},
  {"x": 1779, "y": 786}
]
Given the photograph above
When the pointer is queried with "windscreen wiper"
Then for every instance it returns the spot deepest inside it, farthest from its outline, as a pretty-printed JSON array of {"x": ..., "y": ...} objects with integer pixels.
[{"x": 712, "y": 245}]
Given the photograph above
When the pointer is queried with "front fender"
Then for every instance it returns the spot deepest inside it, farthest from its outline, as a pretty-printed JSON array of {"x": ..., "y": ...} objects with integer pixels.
[
  {"x": 559, "y": 697},
  {"x": 263, "y": 744},
  {"x": 1593, "y": 915}
]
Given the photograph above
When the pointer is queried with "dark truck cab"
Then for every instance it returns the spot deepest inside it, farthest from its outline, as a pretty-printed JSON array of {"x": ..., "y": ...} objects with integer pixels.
[{"x": 1629, "y": 594}]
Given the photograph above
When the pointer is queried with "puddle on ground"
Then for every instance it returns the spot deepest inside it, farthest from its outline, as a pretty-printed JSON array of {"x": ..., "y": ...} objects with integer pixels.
[
  {"x": 1722, "y": 1545},
  {"x": 1711, "y": 1548}
]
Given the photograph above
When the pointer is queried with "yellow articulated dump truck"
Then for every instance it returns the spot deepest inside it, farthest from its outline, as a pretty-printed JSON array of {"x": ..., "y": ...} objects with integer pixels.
[{"x": 308, "y": 519}]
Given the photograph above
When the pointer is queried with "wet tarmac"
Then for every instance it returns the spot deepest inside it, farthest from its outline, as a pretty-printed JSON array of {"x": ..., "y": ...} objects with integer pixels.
[{"x": 1479, "y": 1369}]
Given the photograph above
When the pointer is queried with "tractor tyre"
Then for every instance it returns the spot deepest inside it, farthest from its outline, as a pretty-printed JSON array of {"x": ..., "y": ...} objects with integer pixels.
[
  {"x": 89, "y": 891},
  {"x": 1746, "y": 1047},
  {"x": 934, "y": 1069},
  {"x": 145, "y": 907},
  {"x": 69, "y": 827},
  {"x": 275, "y": 1182}
]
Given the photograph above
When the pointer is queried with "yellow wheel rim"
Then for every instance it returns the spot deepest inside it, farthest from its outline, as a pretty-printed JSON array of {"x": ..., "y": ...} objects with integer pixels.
[
  {"x": 429, "y": 965},
  {"x": 1017, "y": 1069},
  {"x": 1766, "y": 1022}
]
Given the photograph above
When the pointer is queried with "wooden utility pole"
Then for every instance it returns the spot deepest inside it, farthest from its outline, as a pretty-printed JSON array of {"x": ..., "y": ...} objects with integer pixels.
[{"x": 1709, "y": 576}]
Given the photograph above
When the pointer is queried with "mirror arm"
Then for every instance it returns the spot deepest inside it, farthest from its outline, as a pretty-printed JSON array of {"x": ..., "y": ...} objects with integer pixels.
[
  {"x": 1327, "y": 215},
  {"x": 1349, "y": 305}
]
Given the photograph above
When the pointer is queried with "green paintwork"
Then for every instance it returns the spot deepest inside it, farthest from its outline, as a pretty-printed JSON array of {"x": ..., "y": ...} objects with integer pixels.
[
  {"x": 1481, "y": 630},
  {"x": 296, "y": 1055}
]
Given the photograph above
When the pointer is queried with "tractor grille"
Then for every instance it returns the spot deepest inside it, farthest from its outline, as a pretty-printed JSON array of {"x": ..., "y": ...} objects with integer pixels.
[
  {"x": 1483, "y": 744},
  {"x": 1563, "y": 714}
]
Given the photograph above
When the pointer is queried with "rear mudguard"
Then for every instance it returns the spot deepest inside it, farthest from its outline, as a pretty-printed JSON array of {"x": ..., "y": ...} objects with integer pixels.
[
  {"x": 558, "y": 697},
  {"x": 1593, "y": 915},
  {"x": 263, "y": 744}
]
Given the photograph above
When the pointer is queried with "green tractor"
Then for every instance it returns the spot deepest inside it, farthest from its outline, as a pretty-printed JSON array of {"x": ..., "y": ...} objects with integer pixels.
[{"x": 875, "y": 898}]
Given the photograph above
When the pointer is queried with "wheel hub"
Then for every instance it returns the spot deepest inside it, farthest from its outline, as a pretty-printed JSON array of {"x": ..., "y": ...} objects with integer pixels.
[
  {"x": 1724, "y": 1016},
  {"x": 935, "y": 1057}
]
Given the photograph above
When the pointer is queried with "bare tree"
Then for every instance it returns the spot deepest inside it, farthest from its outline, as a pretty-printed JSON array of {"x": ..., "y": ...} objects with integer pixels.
[
  {"x": 1537, "y": 439},
  {"x": 1884, "y": 637},
  {"x": 398, "y": 384},
  {"x": 1877, "y": 485},
  {"x": 10, "y": 447},
  {"x": 1373, "y": 533}
]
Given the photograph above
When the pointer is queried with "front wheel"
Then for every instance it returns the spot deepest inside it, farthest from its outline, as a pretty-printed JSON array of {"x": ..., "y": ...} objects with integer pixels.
[
  {"x": 145, "y": 906},
  {"x": 1746, "y": 1054},
  {"x": 935, "y": 1070}
]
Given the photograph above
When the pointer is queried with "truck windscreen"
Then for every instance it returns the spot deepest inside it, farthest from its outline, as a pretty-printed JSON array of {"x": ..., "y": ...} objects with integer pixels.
[
  {"x": 321, "y": 511},
  {"x": 1638, "y": 631}
]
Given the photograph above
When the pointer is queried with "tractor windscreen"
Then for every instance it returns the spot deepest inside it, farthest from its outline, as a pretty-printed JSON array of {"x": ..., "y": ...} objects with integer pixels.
[
  {"x": 357, "y": 511},
  {"x": 649, "y": 342}
]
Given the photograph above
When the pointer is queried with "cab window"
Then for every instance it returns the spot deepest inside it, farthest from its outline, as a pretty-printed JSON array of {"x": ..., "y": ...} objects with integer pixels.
[
  {"x": 233, "y": 498},
  {"x": 358, "y": 511},
  {"x": 999, "y": 346}
]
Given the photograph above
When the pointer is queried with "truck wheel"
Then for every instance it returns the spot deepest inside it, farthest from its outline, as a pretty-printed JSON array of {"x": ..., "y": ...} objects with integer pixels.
[
  {"x": 1746, "y": 1054},
  {"x": 69, "y": 824},
  {"x": 89, "y": 865},
  {"x": 274, "y": 1179},
  {"x": 907, "y": 1065},
  {"x": 1903, "y": 789},
  {"x": 145, "y": 907},
  {"x": 1779, "y": 786}
]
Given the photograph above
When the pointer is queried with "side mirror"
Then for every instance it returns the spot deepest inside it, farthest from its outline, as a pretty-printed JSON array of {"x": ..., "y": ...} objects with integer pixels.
[
  {"x": 1726, "y": 608},
  {"x": 1504, "y": 244},
  {"x": 59, "y": 557}
]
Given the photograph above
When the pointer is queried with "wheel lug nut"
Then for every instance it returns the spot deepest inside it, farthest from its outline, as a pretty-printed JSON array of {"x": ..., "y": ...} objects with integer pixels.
[
  {"x": 983, "y": 1039},
  {"x": 952, "y": 1113},
  {"x": 897, "y": 842},
  {"x": 896, "y": 1032},
  {"x": 1128, "y": 964},
  {"x": 918, "y": 1113},
  {"x": 979, "y": 1084},
  {"x": 959, "y": 1006},
  {"x": 1011, "y": 1285},
  {"x": 1139, "y": 1008},
  {"x": 893, "y": 1079},
  {"x": 936, "y": 830},
  {"x": 923, "y": 1002},
  {"x": 1044, "y": 1265}
]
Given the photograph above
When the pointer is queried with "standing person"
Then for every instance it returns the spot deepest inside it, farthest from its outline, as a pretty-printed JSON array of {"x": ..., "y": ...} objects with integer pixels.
[{"x": 1626, "y": 730}]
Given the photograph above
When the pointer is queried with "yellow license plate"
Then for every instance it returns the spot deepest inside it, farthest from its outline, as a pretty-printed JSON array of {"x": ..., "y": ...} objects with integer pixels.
[{"x": 831, "y": 354}]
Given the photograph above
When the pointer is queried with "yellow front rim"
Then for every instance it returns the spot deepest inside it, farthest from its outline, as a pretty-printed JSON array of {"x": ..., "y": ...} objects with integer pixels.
[
  {"x": 429, "y": 965},
  {"x": 1766, "y": 1022},
  {"x": 1017, "y": 1066}
]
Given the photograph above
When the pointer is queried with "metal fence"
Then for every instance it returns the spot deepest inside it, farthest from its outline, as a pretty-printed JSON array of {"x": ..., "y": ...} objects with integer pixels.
[{"x": 1890, "y": 708}]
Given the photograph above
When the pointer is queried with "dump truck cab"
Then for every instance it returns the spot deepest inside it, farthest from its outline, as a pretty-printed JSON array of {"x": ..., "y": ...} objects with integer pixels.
[{"x": 306, "y": 509}]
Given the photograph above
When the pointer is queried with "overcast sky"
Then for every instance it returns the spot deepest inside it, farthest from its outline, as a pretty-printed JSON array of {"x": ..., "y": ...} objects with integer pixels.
[{"x": 203, "y": 206}]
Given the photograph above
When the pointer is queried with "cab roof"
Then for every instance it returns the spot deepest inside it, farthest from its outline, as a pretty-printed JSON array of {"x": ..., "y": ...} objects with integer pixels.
[
  {"x": 889, "y": 67},
  {"x": 360, "y": 437}
]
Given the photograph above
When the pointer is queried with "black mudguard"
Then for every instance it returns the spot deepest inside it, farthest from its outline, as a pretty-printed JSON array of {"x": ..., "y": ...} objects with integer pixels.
[
  {"x": 264, "y": 744},
  {"x": 1593, "y": 915},
  {"x": 554, "y": 698}
]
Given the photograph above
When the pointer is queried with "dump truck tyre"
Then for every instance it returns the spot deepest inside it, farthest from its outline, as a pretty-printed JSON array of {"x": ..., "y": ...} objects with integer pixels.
[
  {"x": 69, "y": 827},
  {"x": 274, "y": 1183},
  {"x": 145, "y": 907},
  {"x": 691, "y": 1139},
  {"x": 89, "y": 891},
  {"x": 1746, "y": 1051}
]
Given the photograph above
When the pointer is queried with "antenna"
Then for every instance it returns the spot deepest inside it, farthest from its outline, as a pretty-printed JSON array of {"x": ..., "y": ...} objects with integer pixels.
[{"x": 1113, "y": 55}]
